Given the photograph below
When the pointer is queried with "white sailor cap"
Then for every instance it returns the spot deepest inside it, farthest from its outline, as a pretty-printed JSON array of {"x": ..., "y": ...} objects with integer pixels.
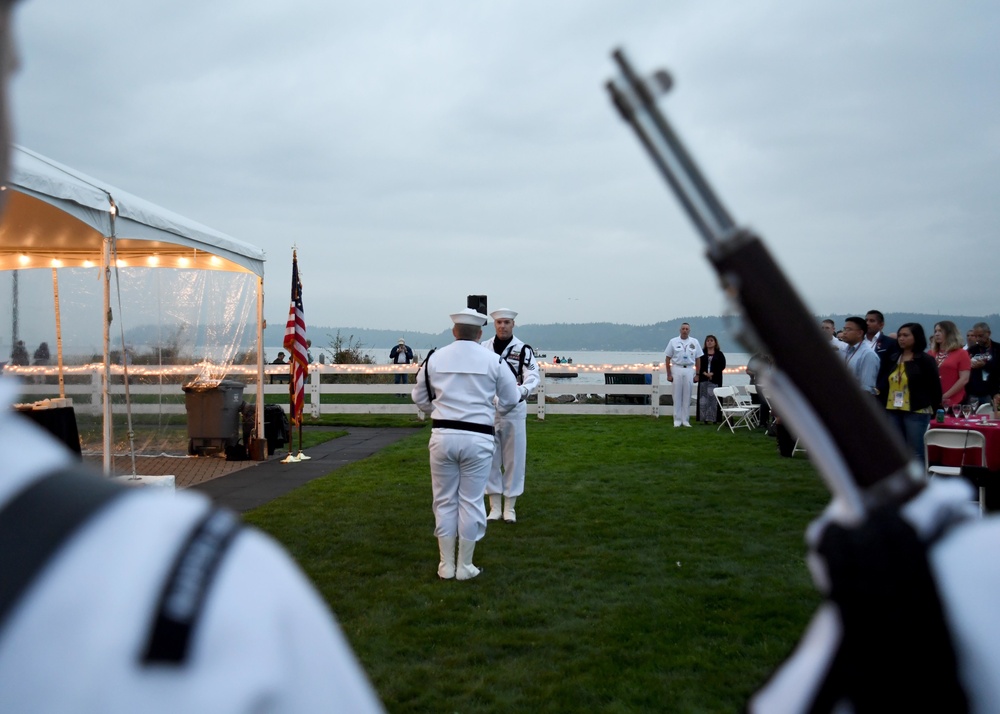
[
  {"x": 402, "y": 341},
  {"x": 503, "y": 314},
  {"x": 468, "y": 316}
]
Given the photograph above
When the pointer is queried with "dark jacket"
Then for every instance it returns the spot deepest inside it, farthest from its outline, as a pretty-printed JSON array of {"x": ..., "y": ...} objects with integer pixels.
[
  {"x": 394, "y": 352},
  {"x": 718, "y": 364},
  {"x": 921, "y": 377},
  {"x": 979, "y": 385},
  {"x": 885, "y": 345}
]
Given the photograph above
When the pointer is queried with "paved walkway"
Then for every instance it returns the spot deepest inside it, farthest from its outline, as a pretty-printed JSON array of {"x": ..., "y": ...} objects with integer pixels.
[{"x": 243, "y": 485}]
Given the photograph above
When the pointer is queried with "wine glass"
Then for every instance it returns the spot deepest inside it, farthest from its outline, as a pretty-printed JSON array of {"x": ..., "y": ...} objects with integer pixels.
[
  {"x": 967, "y": 410},
  {"x": 956, "y": 410}
]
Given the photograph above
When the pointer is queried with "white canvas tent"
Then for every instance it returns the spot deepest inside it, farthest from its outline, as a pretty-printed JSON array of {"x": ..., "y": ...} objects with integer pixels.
[{"x": 59, "y": 217}]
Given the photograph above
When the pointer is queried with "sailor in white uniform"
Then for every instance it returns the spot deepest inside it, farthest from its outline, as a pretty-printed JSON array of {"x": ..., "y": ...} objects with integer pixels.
[
  {"x": 507, "y": 473},
  {"x": 78, "y": 637},
  {"x": 458, "y": 385},
  {"x": 87, "y": 625},
  {"x": 680, "y": 359}
]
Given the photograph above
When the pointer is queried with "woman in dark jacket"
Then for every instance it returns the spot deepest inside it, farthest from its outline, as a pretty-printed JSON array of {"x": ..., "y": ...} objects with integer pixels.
[
  {"x": 710, "y": 366},
  {"x": 909, "y": 386}
]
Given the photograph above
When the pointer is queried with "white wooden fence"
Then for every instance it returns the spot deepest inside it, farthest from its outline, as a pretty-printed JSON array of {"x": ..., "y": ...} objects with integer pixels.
[{"x": 158, "y": 390}]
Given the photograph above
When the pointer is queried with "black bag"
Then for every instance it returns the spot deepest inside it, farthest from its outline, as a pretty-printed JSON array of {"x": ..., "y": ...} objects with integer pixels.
[
  {"x": 276, "y": 427},
  {"x": 786, "y": 440}
]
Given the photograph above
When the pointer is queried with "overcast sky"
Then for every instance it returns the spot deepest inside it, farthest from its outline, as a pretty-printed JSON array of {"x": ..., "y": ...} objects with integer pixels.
[{"x": 419, "y": 152}]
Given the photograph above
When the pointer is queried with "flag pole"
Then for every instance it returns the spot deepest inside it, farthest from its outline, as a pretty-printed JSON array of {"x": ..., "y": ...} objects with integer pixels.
[
  {"x": 291, "y": 458},
  {"x": 295, "y": 343}
]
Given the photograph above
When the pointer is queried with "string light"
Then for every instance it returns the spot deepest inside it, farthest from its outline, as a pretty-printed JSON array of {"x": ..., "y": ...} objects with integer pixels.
[
  {"x": 589, "y": 368},
  {"x": 250, "y": 370}
]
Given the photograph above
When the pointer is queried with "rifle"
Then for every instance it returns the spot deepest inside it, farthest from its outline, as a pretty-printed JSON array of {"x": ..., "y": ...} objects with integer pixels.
[{"x": 863, "y": 461}]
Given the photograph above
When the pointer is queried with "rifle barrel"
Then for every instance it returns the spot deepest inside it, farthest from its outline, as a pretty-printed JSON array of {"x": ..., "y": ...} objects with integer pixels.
[{"x": 876, "y": 459}]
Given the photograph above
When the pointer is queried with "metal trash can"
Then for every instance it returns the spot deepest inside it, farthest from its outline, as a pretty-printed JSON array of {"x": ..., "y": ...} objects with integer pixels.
[{"x": 213, "y": 415}]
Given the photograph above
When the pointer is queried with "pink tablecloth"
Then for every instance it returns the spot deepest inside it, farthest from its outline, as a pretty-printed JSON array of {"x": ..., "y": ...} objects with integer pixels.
[{"x": 953, "y": 457}]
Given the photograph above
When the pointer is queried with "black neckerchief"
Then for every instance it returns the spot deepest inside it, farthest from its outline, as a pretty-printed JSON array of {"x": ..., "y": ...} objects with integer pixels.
[{"x": 500, "y": 345}]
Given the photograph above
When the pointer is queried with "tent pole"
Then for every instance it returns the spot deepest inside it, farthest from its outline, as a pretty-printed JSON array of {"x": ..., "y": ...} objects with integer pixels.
[
  {"x": 59, "y": 345},
  {"x": 14, "y": 335},
  {"x": 106, "y": 376},
  {"x": 260, "y": 357}
]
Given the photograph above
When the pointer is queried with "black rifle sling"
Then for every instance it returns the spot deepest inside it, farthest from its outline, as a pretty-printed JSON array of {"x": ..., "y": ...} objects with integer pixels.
[
  {"x": 520, "y": 363},
  {"x": 519, "y": 372},
  {"x": 427, "y": 375},
  {"x": 54, "y": 507},
  {"x": 50, "y": 510},
  {"x": 183, "y": 597},
  {"x": 503, "y": 358}
]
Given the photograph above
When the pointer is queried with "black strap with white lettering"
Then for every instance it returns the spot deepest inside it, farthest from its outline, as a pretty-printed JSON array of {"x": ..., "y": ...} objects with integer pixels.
[
  {"x": 42, "y": 518},
  {"x": 39, "y": 520},
  {"x": 182, "y": 599}
]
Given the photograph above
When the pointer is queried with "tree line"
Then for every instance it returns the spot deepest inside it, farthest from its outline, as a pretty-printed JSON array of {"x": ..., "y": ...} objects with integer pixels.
[{"x": 604, "y": 336}]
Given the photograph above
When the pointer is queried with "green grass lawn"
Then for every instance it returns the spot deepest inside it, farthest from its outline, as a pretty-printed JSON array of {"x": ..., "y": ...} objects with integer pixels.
[{"x": 651, "y": 569}]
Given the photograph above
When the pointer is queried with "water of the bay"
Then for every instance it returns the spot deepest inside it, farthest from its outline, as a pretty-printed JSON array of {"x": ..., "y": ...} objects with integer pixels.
[{"x": 590, "y": 363}]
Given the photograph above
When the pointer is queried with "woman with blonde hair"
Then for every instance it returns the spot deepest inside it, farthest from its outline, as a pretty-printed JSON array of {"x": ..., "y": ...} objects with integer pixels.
[{"x": 953, "y": 363}]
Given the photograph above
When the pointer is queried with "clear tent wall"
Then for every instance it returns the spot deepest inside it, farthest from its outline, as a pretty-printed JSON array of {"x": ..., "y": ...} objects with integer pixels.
[{"x": 169, "y": 327}]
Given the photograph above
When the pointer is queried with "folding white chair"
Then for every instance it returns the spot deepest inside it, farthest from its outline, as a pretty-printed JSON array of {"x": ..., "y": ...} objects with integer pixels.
[
  {"x": 744, "y": 397},
  {"x": 733, "y": 415},
  {"x": 960, "y": 440},
  {"x": 984, "y": 408}
]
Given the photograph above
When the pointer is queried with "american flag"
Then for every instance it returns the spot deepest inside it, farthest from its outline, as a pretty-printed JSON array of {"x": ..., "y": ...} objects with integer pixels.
[{"x": 295, "y": 343}]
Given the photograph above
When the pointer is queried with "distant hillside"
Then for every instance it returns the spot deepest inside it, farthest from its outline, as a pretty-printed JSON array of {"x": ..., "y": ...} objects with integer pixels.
[{"x": 601, "y": 336}]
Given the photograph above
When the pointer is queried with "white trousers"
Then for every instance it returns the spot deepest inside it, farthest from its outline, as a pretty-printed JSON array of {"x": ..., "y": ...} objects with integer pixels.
[
  {"x": 460, "y": 465},
  {"x": 683, "y": 388},
  {"x": 509, "y": 455}
]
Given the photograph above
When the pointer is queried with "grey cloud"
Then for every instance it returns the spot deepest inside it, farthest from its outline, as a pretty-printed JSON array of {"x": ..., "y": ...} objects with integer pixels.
[{"x": 452, "y": 147}]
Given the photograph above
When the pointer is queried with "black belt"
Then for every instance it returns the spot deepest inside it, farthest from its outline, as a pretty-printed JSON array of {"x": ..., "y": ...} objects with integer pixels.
[{"x": 462, "y": 426}]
